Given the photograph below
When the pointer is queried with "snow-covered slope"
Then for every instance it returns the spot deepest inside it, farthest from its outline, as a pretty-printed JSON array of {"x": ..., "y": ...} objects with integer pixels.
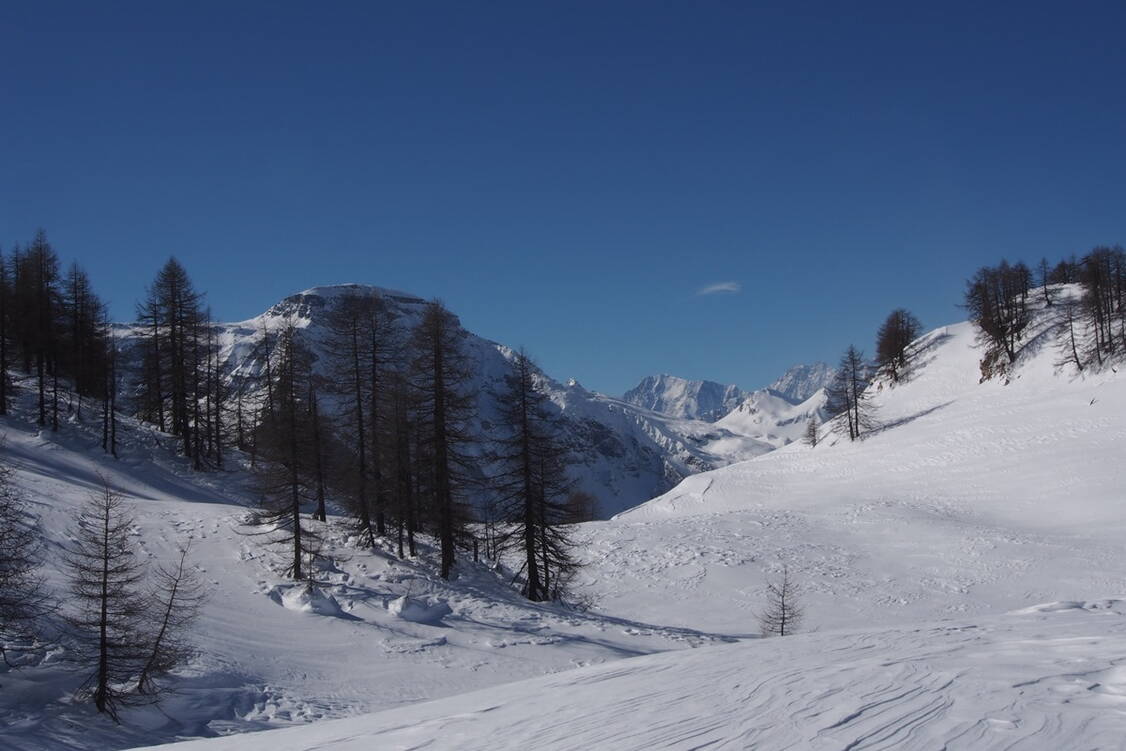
[
  {"x": 974, "y": 498},
  {"x": 684, "y": 399},
  {"x": 1047, "y": 679},
  {"x": 909, "y": 548},
  {"x": 270, "y": 653}
]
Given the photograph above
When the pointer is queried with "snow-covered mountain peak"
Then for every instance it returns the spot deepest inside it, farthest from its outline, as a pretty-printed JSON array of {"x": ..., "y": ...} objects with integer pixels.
[
  {"x": 303, "y": 308},
  {"x": 802, "y": 381},
  {"x": 683, "y": 398}
]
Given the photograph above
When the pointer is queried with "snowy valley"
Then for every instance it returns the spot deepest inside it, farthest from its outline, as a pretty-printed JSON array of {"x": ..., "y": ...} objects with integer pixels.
[{"x": 962, "y": 572}]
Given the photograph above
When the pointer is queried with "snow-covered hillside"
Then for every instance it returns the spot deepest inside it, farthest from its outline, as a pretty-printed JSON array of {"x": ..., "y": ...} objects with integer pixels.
[
  {"x": 962, "y": 571},
  {"x": 974, "y": 498},
  {"x": 1049, "y": 678},
  {"x": 376, "y": 633},
  {"x": 684, "y": 399}
]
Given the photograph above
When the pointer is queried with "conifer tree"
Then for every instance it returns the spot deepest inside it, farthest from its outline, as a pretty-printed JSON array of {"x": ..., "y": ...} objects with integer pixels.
[
  {"x": 109, "y": 388},
  {"x": 439, "y": 374},
  {"x": 847, "y": 400},
  {"x": 347, "y": 321},
  {"x": 174, "y": 605},
  {"x": 783, "y": 612},
  {"x": 532, "y": 486},
  {"x": 286, "y": 472},
  {"x": 893, "y": 342},
  {"x": 23, "y": 597},
  {"x": 108, "y": 623},
  {"x": 172, "y": 314},
  {"x": 811, "y": 430},
  {"x": 1102, "y": 274},
  {"x": 402, "y": 431},
  {"x": 997, "y": 301},
  {"x": 37, "y": 305},
  {"x": 5, "y": 365}
]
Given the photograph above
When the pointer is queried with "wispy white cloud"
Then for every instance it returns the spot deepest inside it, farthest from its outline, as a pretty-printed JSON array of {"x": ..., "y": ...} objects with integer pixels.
[{"x": 720, "y": 288}]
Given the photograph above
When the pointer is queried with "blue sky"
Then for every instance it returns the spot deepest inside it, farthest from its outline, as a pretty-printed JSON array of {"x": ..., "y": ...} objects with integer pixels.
[{"x": 570, "y": 175}]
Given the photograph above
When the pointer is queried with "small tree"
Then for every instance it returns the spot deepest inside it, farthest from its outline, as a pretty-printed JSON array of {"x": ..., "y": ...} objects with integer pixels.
[
  {"x": 23, "y": 599},
  {"x": 783, "y": 612},
  {"x": 893, "y": 342},
  {"x": 110, "y": 618},
  {"x": 811, "y": 428},
  {"x": 1069, "y": 347},
  {"x": 1045, "y": 272},
  {"x": 847, "y": 399},
  {"x": 175, "y": 605}
]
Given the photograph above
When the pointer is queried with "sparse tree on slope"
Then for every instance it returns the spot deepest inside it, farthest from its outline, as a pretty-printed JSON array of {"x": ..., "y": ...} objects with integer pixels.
[
  {"x": 997, "y": 301},
  {"x": 1069, "y": 318},
  {"x": 783, "y": 612},
  {"x": 1102, "y": 274},
  {"x": 847, "y": 399},
  {"x": 811, "y": 429},
  {"x": 106, "y": 582},
  {"x": 173, "y": 607},
  {"x": 893, "y": 342},
  {"x": 1046, "y": 282},
  {"x": 23, "y": 599}
]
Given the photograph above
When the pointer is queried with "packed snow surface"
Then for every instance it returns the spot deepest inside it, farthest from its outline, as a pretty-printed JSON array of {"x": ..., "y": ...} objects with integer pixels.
[{"x": 1047, "y": 679}]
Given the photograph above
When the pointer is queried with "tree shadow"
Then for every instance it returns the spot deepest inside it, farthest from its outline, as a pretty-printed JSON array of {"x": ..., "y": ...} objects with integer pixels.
[{"x": 910, "y": 418}]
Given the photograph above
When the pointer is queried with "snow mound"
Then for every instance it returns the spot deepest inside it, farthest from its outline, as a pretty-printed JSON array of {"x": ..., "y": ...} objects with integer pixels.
[
  {"x": 307, "y": 598},
  {"x": 1115, "y": 605},
  {"x": 418, "y": 611}
]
